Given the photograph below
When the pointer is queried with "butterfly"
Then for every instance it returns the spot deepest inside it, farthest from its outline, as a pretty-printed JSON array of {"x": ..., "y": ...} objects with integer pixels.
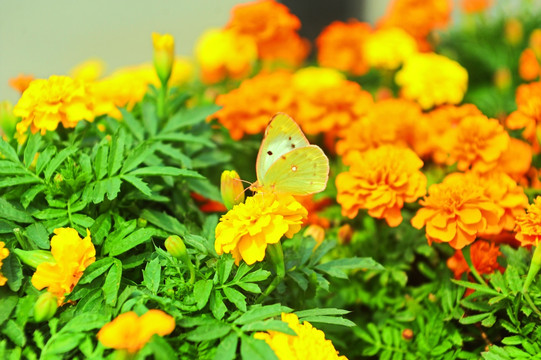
[{"x": 287, "y": 163}]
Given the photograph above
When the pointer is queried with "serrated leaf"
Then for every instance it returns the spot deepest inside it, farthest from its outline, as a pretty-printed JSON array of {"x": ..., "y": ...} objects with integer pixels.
[
  {"x": 256, "y": 349},
  {"x": 58, "y": 160},
  {"x": 236, "y": 298},
  {"x": 13, "y": 271},
  {"x": 11, "y": 168},
  {"x": 329, "y": 320},
  {"x": 101, "y": 228},
  {"x": 138, "y": 237},
  {"x": 112, "y": 283},
  {"x": 225, "y": 265},
  {"x": 37, "y": 233},
  {"x": 8, "y": 301},
  {"x": 9, "y": 212},
  {"x": 164, "y": 221},
  {"x": 136, "y": 157},
  {"x": 180, "y": 137},
  {"x": 152, "y": 275},
  {"x": 189, "y": 116},
  {"x": 138, "y": 184},
  {"x": 250, "y": 287},
  {"x": 217, "y": 306},
  {"x": 257, "y": 313},
  {"x": 60, "y": 344},
  {"x": 274, "y": 325},
  {"x": 481, "y": 288},
  {"x": 165, "y": 171},
  {"x": 473, "y": 319},
  {"x": 96, "y": 269},
  {"x": 18, "y": 180},
  {"x": 32, "y": 146},
  {"x": 256, "y": 276},
  {"x": 116, "y": 155},
  {"x": 175, "y": 154},
  {"x": 227, "y": 350},
  {"x": 132, "y": 124},
  {"x": 14, "y": 332},
  {"x": 101, "y": 160},
  {"x": 150, "y": 118},
  {"x": 29, "y": 195},
  {"x": 83, "y": 220},
  {"x": 44, "y": 158},
  {"x": 321, "y": 312},
  {"x": 336, "y": 268},
  {"x": 208, "y": 332},
  {"x": 201, "y": 292}
]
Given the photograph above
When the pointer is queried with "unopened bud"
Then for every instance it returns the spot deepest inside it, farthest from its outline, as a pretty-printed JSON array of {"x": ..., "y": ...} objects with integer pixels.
[
  {"x": 141, "y": 223},
  {"x": 58, "y": 178},
  {"x": 407, "y": 334},
  {"x": 502, "y": 78},
  {"x": 317, "y": 232},
  {"x": 34, "y": 257},
  {"x": 513, "y": 31},
  {"x": 175, "y": 246},
  {"x": 45, "y": 307},
  {"x": 345, "y": 233},
  {"x": 164, "y": 49},
  {"x": 232, "y": 189}
]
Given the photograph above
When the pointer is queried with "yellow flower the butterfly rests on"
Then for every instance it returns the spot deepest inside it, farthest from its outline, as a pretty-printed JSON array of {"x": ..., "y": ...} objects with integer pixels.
[{"x": 287, "y": 165}]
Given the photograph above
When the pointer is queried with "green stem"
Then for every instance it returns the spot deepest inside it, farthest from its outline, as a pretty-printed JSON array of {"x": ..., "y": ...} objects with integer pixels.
[
  {"x": 25, "y": 245},
  {"x": 161, "y": 100},
  {"x": 534, "y": 269},
  {"x": 276, "y": 256},
  {"x": 473, "y": 270}
]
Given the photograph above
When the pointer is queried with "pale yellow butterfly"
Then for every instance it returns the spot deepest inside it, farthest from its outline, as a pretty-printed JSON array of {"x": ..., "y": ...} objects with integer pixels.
[{"x": 287, "y": 163}]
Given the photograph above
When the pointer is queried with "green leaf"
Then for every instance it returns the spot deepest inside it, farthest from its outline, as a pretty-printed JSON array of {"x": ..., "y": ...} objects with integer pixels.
[
  {"x": 161, "y": 348},
  {"x": 132, "y": 124},
  {"x": 250, "y": 287},
  {"x": 165, "y": 171},
  {"x": 138, "y": 237},
  {"x": 208, "y": 332},
  {"x": 225, "y": 265},
  {"x": 61, "y": 344},
  {"x": 227, "y": 350},
  {"x": 150, "y": 119},
  {"x": 112, "y": 283},
  {"x": 122, "y": 230},
  {"x": 10, "y": 168},
  {"x": 96, "y": 269},
  {"x": 164, "y": 221},
  {"x": 83, "y": 220},
  {"x": 217, "y": 306},
  {"x": 37, "y": 233},
  {"x": 138, "y": 184},
  {"x": 29, "y": 195},
  {"x": 336, "y": 268},
  {"x": 101, "y": 228},
  {"x": 179, "y": 137},
  {"x": 136, "y": 157},
  {"x": 257, "y": 313},
  {"x": 8, "y": 301},
  {"x": 321, "y": 312},
  {"x": 18, "y": 180},
  {"x": 481, "y": 288},
  {"x": 44, "y": 158},
  {"x": 8, "y": 152},
  {"x": 57, "y": 160},
  {"x": 175, "y": 154},
  {"x": 255, "y": 276},
  {"x": 84, "y": 322},
  {"x": 14, "y": 332},
  {"x": 188, "y": 117},
  {"x": 116, "y": 156},
  {"x": 32, "y": 146},
  {"x": 100, "y": 162},
  {"x": 329, "y": 320},
  {"x": 9, "y": 212},
  {"x": 274, "y": 325},
  {"x": 13, "y": 271},
  {"x": 236, "y": 298},
  {"x": 201, "y": 292},
  {"x": 473, "y": 319},
  {"x": 152, "y": 275},
  {"x": 256, "y": 349}
]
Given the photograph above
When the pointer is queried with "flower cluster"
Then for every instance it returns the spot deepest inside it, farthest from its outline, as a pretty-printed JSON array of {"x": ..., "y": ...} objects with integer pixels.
[
  {"x": 72, "y": 255},
  {"x": 528, "y": 229},
  {"x": 247, "y": 229},
  {"x": 309, "y": 343}
]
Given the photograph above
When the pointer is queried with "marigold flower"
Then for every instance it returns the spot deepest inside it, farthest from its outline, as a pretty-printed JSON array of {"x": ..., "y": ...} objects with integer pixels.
[
  {"x": 535, "y": 42},
  {"x": 528, "y": 114},
  {"x": 432, "y": 79},
  {"x": 89, "y": 70},
  {"x": 4, "y": 252},
  {"x": 513, "y": 31},
  {"x": 484, "y": 258},
  {"x": 477, "y": 143},
  {"x": 314, "y": 207},
  {"x": 46, "y": 103},
  {"x": 131, "y": 332},
  {"x": 528, "y": 229},
  {"x": 273, "y": 29},
  {"x": 326, "y": 101},
  {"x": 309, "y": 343},
  {"x": 475, "y": 6},
  {"x": 388, "y": 48},
  {"x": 340, "y": 46},
  {"x": 381, "y": 180},
  {"x": 528, "y": 66},
  {"x": 455, "y": 212},
  {"x": 21, "y": 82},
  {"x": 72, "y": 256},
  {"x": 225, "y": 53},
  {"x": 516, "y": 160},
  {"x": 391, "y": 121},
  {"x": 247, "y": 109},
  {"x": 247, "y": 229}
]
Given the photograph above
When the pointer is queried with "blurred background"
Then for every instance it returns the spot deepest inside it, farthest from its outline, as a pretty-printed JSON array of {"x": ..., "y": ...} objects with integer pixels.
[{"x": 43, "y": 38}]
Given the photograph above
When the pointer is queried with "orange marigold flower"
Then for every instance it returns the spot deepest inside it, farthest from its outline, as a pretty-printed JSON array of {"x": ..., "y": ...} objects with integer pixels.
[
  {"x": 47, "y": 103},
  {"x": 513, "y": 31},
  {"x": 535, "y": 42},
  {"x": 4, "y": 252},
  {"x": 484, "y": 258},
  {"x": 432, "y": 79},
  {"x": 326, "y": 101},
  {"x": 247, "y": 110},
  {"x": 21, "y": 82},
  {"x": 207, "y": 205},
  {"x": 388, "y": 48},
  {"x": 418, "y": 17},
  {"x": 340, "y": 46},
  {"x": 224, "y": 53},
  {"x": 528, "y": 114},
  {"x": 516, "y": 160},
  {"x": 390, "y": 121},
  {"x": 477, "y": 143},
  {"x": 309, "y": 343},
  {"x": 130, "y": 332},
  {"x": 72, "y": 256},
  {"x": 455, "y": 212},
  {"x": 245, "y": 230},
  {"x": 381, "y": 180},
  {"x": 475, "y": 6},
  {"x": 503, "y": 191},
  {"x": 528, "y": 65},
  {"x": 528, "y": 229},
  {"x": 273, "y": 29}
]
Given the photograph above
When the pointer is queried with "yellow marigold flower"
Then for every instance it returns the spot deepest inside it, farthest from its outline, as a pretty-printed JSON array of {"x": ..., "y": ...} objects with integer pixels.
[
  {"x": 388, "y": 48},
  {"x": 340, "y": 46},
  {"x": 224, "y": 53},
  {"x": 183, "y": 71},
  {"x": 247, "y": 109},
  {"x": 503, "y": 191},
  {"x": 390, "y": 121},
  {"x": 245, "y": 230},
  {"x": 309, "y": 343},
  {"x": 528, "y": 229},
  {"x": 4, "y": 252},
  {"x": 528, "y": 66},
  {"x": 72, "y": 256},
  {"x": 477, "y": 143},
  {"x": 90, "y": 70},
  {"x": 47, "y": 103},
  {"x": 130, "y": 332},
  {"x": 164, "y": 55},
  {"x": 455, "y": 212},
  {"x": 326, "y": 101},
  {"x": 381, "y": 180},
  {"x": 432, "y": 79}
]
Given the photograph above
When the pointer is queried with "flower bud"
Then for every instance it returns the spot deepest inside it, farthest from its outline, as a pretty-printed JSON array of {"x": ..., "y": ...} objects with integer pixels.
[
  {"x": 407, "y": 334},
  {"x": 232, "y": 189},
  {"x": 513, "y": 31},
  {"x": 164, "y": 47},
  {"x": 34, "y": 257},
  {"x": 175, "y": 246},
  {"x": 345, "y": 233},
  {"x": 502, "y": 78},
  {"x": 317, "y": 232},
  {"x": 45, "y": 307},
  {"x": 141, "y": 223},
  {"x": 7, "y": 120}
]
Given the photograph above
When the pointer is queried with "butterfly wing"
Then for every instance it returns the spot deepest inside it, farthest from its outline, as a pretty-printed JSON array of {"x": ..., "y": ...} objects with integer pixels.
[
  {"x": 301, "y": 171},
  {"x": 281, "y": 136}
]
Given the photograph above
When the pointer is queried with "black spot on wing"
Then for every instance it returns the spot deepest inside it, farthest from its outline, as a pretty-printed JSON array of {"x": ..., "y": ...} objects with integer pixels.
[{"x": 269, "y": 152}]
